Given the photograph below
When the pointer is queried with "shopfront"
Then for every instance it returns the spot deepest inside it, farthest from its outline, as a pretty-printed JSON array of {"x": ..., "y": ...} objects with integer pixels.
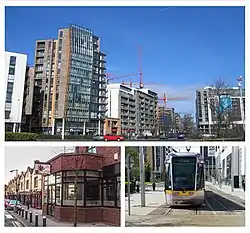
[{"x": 97, "y": 192}]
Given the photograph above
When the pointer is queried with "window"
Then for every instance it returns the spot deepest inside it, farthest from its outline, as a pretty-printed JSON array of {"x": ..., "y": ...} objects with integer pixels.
[
  {"x": 69, "y": 194},
  {"x": 7, "y": 114},
  {"x": 110, "y": 192},
  {"x": 93, "y": 192},
  {"x": 61, "y": 33},
  {"x": 11, "y": 70},
  {"x": 27, "y": 184},
  {"x": 12, "y": 61},
  {"x": 58, "y": 194},
  {"x": 36, "y": 182},
  {"x": 91, "y": 149}
]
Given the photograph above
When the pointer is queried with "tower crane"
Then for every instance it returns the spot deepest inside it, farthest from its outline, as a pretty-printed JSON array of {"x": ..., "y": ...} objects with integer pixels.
[{"x": 113, "y": 77}]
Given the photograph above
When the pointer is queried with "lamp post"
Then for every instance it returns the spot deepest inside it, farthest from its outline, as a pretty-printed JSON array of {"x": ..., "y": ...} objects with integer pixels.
[
  {"x": 15, "y": 170},
  {"x": 129, "y": 164},
  {"x": 240, "y": 80}
]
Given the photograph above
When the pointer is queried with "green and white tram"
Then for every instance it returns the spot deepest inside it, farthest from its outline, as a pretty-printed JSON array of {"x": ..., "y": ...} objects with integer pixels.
[{"x": 184, "y": 183}]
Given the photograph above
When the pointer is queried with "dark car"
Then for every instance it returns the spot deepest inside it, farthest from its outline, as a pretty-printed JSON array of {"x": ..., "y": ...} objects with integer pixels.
[{"x": 180, "y": 136}]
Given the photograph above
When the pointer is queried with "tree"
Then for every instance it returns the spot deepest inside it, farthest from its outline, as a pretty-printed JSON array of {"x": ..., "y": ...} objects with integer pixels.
[
  {"x": 79, "y": 160},
  {"x": 188, "y": 124},
  {"x": 134, "y": 153},
  {"x": 221, "y": 106}
]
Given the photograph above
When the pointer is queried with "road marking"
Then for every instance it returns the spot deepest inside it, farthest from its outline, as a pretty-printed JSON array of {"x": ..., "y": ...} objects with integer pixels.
[
  {"x": 210, "y": 207},
  {"x": 8, "y": 216}
]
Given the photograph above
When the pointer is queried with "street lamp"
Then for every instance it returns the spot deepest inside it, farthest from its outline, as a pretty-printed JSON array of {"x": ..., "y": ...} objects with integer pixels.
[
  {"x": 129, "y": 164},
  {"x": 240, "y": 80},
  {"x": 15, "y": 170}
]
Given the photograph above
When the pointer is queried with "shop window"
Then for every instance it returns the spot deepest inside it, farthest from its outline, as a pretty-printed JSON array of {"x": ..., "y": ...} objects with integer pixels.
[
  {"x": 93, "y": 192},
  {"x": 69, "y": 194},
  {"x": 111, "y": 192},
  {"x": 58, "y": 194}
]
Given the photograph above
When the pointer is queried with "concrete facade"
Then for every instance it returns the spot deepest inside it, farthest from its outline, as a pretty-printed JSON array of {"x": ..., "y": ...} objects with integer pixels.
[
  {"x": 207, "y": 98},
  {"x": 135, "y": 107},
  {"x": 14, "y": 82}
]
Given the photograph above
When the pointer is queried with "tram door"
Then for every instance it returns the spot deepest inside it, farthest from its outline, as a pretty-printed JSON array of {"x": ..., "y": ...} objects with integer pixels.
[
  {"x": 168, "y": 184},
  {"x": 51, "y": 200}
]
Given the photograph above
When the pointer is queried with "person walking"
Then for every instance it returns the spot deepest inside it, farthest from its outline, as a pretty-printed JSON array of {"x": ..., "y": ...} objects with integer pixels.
[
  {"x": 137, "y": 186},
  {"x": 243, "y": 184},
  {"x": 28, "y": 204}
]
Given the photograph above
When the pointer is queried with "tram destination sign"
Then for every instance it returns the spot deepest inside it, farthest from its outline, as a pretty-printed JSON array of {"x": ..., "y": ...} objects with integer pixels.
[{"x": 183, "y": 160}]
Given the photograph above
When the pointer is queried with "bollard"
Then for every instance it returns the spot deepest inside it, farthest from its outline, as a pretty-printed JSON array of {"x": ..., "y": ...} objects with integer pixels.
[
  {"x": 36, "y": 220},
  {"x": 26, "y": 214},
  {"x": 22, "y": 212},
  {"x": 30, "y": 216},
  {"x": 44, "y": 221}
]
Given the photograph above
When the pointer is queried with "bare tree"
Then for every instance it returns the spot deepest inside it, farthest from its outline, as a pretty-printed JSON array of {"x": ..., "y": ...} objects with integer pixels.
[
  {"x": 220, "y": 107},
  {"x": 188, "y": 124},
  {"x": 78, "y": 161}
]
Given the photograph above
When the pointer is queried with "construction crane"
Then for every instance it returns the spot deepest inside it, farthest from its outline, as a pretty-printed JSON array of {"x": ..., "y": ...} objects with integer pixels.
[
  {"x": 131, "y": 84},
  {"x": 113, "y": 77},
  {"x": 140, "y": 67},
  {"x": 179, "y": 98}
]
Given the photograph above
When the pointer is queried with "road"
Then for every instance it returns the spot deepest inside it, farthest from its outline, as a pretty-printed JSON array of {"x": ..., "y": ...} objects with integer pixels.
[
  {"x": 10, "y": 220},
  {"x": 217, "y": 211}
]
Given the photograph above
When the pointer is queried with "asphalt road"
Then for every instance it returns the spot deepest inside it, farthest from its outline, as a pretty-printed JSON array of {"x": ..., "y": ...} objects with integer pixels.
[
  {"x": 10, "y": 220},
  {"x": 217, "y": 211}
]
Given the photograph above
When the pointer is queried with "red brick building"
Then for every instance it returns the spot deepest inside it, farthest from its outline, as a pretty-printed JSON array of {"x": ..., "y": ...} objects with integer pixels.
[{"x": 98, "y": 185}]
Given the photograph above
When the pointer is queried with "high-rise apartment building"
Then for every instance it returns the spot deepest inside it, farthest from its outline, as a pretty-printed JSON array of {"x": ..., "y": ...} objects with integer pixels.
[
  {"x": 231, "y": 104},
  {"x": 15, "y": 74},
  {"x": 135, "y": 107},
  {"x": 71, "y": 74}
]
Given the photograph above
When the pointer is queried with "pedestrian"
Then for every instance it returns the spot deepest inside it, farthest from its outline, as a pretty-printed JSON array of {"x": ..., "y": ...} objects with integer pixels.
[
  {"x": 28, "y": 204},
  {"x": 137, "y": 186},
  {"x": 243, "y": 184},
  {"x": 153, "y": 185}
]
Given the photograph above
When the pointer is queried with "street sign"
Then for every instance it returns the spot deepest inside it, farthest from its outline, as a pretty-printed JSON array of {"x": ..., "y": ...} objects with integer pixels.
[{"x": 129, "y": 161}]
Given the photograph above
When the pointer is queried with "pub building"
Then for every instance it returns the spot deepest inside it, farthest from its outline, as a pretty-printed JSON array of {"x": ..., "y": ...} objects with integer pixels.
[{"x": 98, "y": 185}]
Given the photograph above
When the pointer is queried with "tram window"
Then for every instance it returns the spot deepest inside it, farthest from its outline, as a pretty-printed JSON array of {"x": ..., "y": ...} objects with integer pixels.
[
  {"x": 200, "y": 177},
  {"x": 168, "y": 178},
  {"x": 184, "y": 176}
]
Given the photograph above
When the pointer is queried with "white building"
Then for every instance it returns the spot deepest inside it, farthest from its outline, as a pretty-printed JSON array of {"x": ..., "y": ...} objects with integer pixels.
[
  {"x": 231, "y": 161},
  {"x": 15, "y": 71},
  {"x": 206, "y": 118},
  {"x": 135, "y": 107}
]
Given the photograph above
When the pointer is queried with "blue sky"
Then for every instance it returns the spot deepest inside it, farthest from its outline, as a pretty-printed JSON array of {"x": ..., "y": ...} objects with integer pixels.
[{"x": 182, "y": 47}]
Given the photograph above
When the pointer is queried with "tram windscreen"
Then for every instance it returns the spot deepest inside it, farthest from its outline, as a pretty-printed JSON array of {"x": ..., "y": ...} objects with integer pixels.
[{"x": 183, "y": 169}]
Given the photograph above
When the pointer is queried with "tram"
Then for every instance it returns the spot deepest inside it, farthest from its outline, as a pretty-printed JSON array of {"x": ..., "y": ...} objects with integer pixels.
[{"x": 184, "y": 179}]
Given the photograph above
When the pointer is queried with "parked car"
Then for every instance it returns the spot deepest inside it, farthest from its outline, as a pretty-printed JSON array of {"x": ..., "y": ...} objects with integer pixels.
[
  {"x": 12, "y": 204},
  {"x": 181, "y": 136},
  {"x": 6, "y": 202},
  {"x": 98, "y": 137},
  {"x": 109, "y": 137}
]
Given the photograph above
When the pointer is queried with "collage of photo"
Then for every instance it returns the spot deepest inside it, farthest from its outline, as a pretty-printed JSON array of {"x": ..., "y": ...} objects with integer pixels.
[{"x": 115, "y": 120}]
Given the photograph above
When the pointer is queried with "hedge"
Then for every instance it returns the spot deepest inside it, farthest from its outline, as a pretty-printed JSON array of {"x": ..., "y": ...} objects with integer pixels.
[{"x": 10, "y": 136}]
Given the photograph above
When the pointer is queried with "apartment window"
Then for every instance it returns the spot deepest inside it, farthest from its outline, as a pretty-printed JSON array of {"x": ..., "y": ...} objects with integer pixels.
[
  {"x": 27, "y": 184},
  {"x": 36, "y": 182},
  {"x": 7, "y": 114},
  {"x": 12, "y": 61},
  {"x": 9, "y": 92},
  {"x": 61, "y": 34},
  {"x": 11, "y": 70}
]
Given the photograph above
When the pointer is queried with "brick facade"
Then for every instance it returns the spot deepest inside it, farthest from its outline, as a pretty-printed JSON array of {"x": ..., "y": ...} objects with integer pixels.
[{"x": 104, "y": 156}]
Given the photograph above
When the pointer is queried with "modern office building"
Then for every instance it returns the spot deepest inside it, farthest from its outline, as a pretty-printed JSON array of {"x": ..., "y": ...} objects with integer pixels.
[
  {"x": 232, "y": 105},
  {"x": 71, "y": 74},
  {"x": 14, "y": 85},
  {"x": 230, "y": 165},
  {"x": 135, "y": 107}
]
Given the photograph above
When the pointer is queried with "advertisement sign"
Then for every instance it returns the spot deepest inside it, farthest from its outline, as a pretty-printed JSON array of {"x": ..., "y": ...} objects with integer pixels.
[
  {"x": 224, "y": 103},
  {"x": 211, "y": 150},
  {"x": 42, "y": 169}
]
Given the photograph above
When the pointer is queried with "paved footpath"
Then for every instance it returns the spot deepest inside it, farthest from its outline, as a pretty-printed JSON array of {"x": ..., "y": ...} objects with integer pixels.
[
  {"x": 50, "y": 222},
  {"x": 225, "y": 190},
  {"x": 153, "y": 199}
]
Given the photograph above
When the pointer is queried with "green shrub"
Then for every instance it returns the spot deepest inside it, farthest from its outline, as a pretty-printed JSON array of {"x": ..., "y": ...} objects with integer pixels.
[{"x": 10, "y": 136}]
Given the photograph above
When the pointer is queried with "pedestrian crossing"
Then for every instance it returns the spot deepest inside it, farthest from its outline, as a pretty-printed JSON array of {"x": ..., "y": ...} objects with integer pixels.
[{"x": 8, "y": 216}]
